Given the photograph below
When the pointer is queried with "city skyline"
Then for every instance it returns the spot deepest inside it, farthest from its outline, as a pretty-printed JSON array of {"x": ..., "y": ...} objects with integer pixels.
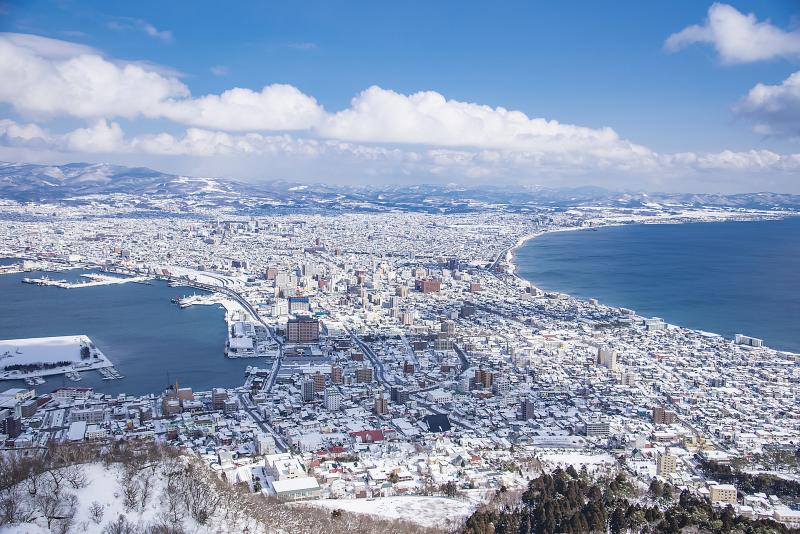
[{"x": 687, "y": 97}]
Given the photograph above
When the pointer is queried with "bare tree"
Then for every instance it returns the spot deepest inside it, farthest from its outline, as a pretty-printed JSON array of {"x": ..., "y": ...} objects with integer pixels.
[
  {"x": 199, "y": 496},
  {"x": 75, "y": 475},
  {"x": 55, "y": 505},
  {"x": 96, "y": 512},
  {"x": 164, "y": 526},
  {"x": 121, "y": 526},
  {"x": 171, "y": 500},
  {"x": 146, "y": 479}
]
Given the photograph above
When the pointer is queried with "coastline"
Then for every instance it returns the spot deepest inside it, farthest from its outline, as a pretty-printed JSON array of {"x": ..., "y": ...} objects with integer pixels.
[
  {"x": 119, "y": 347},
  {"x": 513, "y": 271}
]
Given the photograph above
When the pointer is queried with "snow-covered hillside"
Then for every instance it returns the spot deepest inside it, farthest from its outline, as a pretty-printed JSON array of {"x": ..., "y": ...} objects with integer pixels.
[{"x": 119, "y": 488}]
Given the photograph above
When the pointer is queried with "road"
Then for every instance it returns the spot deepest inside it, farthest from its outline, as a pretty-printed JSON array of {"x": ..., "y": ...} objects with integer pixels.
[
  {"x": 380, "y": 375},
  {"x": 380, "y": 372},
  {"x": 276, "y": 365},
  {"x": 247, "y": 405}
]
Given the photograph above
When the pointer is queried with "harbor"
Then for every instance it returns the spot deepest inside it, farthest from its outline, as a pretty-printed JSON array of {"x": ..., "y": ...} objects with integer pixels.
[
  {"x": 146, "y": 338},
  {"x": 92, "y": 280},
  {"x": 31, "y": 359}
]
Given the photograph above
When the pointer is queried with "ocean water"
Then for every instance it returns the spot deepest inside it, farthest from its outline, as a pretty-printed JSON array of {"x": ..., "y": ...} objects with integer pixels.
[
  {"x": 727, "y": 278},
  {"x": 147, "y": 338}
]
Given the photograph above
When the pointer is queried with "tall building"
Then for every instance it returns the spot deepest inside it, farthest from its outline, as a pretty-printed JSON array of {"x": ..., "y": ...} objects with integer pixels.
[
  {"x": 302, "y": 330},
  {"x": 337, "y": 375},
  {"x": 431, "y": 285},
  {"x": 364, "y": 375},
  {"x": 333, "y": 399},
  {"x": 607, "y": 358},
  {"x": 218, "y": 398},
  {"x": 308, "y": 390},
  {"x": 527, "y": 408},
  {"x": 501, "y": 386},
  {"x": 11, "y": 426},
  {"x": 319, "y": 382},
  {"x": 665, "y": 464},
  {"x": 399, "y": 394},
  {"x": 381, "y": 405},
  {"x": 483, "y": 379},
  {"x": 663, "y": 417}
]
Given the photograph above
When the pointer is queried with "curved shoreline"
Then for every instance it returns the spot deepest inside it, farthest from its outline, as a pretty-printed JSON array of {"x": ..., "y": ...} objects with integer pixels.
[{"x": 513, "y": 271}]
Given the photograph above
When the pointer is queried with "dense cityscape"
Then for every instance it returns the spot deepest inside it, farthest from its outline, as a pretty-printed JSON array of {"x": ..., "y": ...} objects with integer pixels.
[
  {"x": 397, "y": 354},
  {"x": 415, "y": 267}
]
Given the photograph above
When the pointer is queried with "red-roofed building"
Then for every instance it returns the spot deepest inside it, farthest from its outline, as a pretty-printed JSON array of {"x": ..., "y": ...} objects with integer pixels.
[{"x": 369, "y": 436}]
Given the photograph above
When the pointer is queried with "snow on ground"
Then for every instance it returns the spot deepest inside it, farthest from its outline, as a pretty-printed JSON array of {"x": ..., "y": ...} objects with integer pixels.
[
  {"x": 425, "y": 511},
  {"x": 203, "y": 277},
  {"x": 48, "y": 350},
  {"x": 104, "y": 488},
  {"x": 24, "y": 529}
]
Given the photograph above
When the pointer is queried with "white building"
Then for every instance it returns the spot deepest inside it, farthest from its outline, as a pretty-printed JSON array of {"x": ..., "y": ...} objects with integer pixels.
[{"x": 333, "y": 399}]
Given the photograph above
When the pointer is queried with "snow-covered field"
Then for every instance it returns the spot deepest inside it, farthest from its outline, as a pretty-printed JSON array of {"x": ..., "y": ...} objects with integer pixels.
[
  {"x": 425, "y": 511},
  {"x": 48, "y": 350}
]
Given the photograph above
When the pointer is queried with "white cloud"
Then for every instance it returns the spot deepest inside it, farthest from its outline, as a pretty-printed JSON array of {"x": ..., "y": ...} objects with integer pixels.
[
  {"x": 128, "y": 23},
  {"x": 219, "y": 70},
  {"x": 738, "y": 38},
  {"x": 428, "y": 118},
  {"x": 45, "y": 47},
  {"x": 39, "y": 81},
  {"x": 421, "y": 136},
  {"x": 774, "y": 109},
  {"x": 319, "y": 159},
  {"x": 275, "y": 107},
  {"x": 100, "y": 137},
  {"x": 42, "y": 80},
  {"x": 22, "y": 132}
]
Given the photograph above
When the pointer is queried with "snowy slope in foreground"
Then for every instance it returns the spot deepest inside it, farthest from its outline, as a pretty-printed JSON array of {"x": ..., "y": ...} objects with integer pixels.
[{"x": 433, "y": 512}]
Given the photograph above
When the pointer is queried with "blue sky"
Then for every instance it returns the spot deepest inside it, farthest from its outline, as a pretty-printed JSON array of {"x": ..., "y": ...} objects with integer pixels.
[{"x": 591, "y": 65}]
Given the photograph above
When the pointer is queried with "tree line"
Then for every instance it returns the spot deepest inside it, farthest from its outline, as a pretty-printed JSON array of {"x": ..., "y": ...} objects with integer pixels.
[{"x": 565, "y": 502}]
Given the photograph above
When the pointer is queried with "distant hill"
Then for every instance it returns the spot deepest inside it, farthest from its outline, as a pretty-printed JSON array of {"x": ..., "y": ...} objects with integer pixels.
[{"x": 28, "y": 182}]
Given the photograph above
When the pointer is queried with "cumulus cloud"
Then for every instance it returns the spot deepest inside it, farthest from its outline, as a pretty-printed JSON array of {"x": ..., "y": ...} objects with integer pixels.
[
  {"x": 738, "y": 38},
  {"x": 100, "y": 137},
  {"x": 41, "y": 80},
  {"x": 275, "y": 107},
  {"x": 384, "y": 116},
  {"x": 419, "y": 136},
  {"x": 774, "y": 109}
]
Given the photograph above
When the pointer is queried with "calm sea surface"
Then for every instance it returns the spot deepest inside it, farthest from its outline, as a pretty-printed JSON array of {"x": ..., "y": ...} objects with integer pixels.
[
  {"x": 727, "y": 278},
  {"x": 147, "y": 338}
]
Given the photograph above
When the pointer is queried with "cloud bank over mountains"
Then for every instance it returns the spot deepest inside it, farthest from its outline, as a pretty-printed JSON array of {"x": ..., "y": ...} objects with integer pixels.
[{"x": 382, "y": 135}]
